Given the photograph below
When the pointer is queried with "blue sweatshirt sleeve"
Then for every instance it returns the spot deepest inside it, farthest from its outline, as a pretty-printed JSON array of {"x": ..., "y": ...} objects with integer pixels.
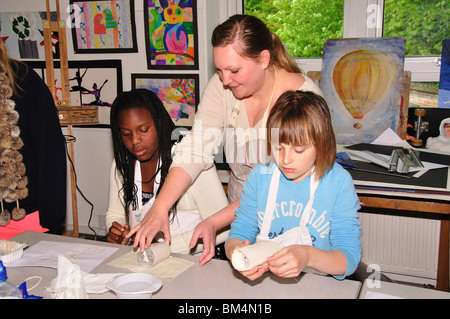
[{"x": 345, "y": 231}]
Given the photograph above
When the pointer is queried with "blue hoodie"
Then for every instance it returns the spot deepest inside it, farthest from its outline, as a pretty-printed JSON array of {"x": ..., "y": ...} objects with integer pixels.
[{"x": 334, "y": 222}]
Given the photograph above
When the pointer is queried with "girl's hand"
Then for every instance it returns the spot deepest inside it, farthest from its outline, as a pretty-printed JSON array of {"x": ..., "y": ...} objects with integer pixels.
[
  {"x": 117, "y": 234},
  {"x": 290, "y": 261},
  {"x": 253, "y": 273}
]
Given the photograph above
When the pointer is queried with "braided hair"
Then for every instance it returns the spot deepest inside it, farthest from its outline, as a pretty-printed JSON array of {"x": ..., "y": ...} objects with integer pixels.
[{"x": 125, "y": 161}]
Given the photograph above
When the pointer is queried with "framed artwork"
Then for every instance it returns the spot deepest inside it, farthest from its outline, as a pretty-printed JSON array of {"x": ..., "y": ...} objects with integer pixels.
[
  {"x": 444, "y": 82},
  {"x": 91, "y": 83},
  {"x": 23, "y": 34},
  {"x": 178, "y": 92},
  {"x": 362, "y": 82},
  {"x": 103, "y": 26},
  {"x": 171, "y": 34}
]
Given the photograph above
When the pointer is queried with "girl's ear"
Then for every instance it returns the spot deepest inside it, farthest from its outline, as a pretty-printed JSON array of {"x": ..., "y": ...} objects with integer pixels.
[{"x": 264, "y": 58}]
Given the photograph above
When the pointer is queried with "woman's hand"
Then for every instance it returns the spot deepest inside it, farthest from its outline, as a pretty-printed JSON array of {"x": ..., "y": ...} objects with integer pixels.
[
  {"x": 117, "y": 234},
  {"x": 155, "y": 221},
  {"x": 205, "y": 230}
]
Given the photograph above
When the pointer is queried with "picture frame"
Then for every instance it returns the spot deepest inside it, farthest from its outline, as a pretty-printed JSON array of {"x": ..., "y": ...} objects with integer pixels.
[
  {"x": 83, "y": 77},
  {"x": 23, "y": 35},
  {"x": 178, "y": 92},
  {"x": 103, "y": 26},
  {"x": 171, "y": 34},
  {"x": 362, "y": 81}
]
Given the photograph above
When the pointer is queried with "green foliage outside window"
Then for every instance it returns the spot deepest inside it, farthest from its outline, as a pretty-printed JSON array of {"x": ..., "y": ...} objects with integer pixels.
[
  {"x": 423, "y": 23},
  {"x": 304, "y": 25}
]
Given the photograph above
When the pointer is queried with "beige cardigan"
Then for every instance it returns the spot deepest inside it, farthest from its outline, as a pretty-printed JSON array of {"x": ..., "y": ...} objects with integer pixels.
[
  {"x": 205, "y": 197},
  {"x": 211, "y": 120}
]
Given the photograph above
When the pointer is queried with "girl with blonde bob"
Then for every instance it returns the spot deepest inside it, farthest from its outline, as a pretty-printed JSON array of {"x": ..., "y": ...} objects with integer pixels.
[{"x": 303, "y": 200}]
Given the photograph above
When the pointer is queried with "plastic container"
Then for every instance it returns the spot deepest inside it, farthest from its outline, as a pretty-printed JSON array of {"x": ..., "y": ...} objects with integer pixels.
[
  {"x": 11, "y": 250},
  {"x": 7, "y": 289},
  {"x": 134, "y": 286}
]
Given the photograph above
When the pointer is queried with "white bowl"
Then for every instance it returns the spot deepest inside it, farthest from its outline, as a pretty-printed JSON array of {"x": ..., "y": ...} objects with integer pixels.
[{"x": 134, "y": 286}]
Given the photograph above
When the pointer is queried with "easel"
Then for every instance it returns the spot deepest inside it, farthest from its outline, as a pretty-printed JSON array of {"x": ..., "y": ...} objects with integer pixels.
[{"x": 68, "y": 115}]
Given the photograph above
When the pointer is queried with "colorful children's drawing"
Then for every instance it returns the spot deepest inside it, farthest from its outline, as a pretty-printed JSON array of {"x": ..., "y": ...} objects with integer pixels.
[
  {"x": 444, "y": 83},
  {"x": 22, "y": 33},
  {"x": 104, "y": 26},
  {"x": 177, "y": 92},
  {"x": 171, "y": 34}
]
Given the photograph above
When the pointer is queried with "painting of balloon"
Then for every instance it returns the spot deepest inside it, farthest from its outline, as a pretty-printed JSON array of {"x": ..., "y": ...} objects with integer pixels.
[
  {"x": 178, "y": 92},
  {"x": 171, "y": 34},
  {"x": 361, "y": 80}
]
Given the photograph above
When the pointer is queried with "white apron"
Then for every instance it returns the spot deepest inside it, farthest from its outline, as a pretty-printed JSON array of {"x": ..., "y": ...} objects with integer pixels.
[
  {"x": 136, "y": 216},
  {"x": 247, "y": 257},
  {"x": 298, "y": 235}
]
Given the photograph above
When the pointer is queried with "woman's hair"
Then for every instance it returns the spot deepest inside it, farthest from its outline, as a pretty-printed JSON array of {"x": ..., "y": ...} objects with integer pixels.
[
  {"x": 302, "y": 118},
  {"x": 145, "y": 99},
  {"x": 250, "y": 36},
  {"x": 7, "y": 62}
]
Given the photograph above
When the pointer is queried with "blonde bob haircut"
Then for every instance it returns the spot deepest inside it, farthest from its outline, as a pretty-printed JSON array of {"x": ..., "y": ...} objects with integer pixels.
[{"x": 302, "y": 118}]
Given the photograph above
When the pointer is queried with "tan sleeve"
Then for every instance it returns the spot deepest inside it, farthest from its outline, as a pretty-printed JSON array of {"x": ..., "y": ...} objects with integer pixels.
[
  {"x": 197, "y": 149},
  {"x": 116, "y": 210}
]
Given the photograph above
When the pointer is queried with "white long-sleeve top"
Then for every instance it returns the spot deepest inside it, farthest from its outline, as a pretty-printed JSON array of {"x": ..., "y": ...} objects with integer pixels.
[{"x": 202, "y": 199}]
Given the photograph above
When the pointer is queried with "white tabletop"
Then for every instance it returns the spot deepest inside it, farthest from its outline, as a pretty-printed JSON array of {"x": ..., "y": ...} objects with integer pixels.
[
  {"x": 215, "y": 280},
  {"x": 389, "y": 290}
]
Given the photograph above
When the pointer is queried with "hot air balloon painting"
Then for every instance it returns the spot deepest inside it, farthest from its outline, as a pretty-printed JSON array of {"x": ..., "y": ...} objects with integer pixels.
[
  {"x": 171, "y": 34},
  {"x": 361, "y": 81}
]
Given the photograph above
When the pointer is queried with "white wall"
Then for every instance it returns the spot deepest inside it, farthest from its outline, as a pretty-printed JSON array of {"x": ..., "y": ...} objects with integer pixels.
[
  {"x": 93, "y": 147},
  {"x": 93, "y": 157}
]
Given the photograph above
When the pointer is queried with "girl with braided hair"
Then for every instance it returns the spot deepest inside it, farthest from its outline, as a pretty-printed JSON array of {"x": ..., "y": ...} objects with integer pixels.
[{"x": 142, "y": 139}]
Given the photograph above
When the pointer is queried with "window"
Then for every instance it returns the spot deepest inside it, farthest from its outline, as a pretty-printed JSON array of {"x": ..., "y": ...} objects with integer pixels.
[
  {"x": 303, "y": 26},
  {"x": 423, "y": 23}
]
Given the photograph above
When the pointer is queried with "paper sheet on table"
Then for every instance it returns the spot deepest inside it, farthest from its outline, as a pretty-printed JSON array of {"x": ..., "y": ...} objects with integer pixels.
[
  {"x": 167, "y": 269},
  {"x": 383, "y": 160},
  {"x": 45, "y": 254},
  {"x": 390, "y": 138},
  {"x": 379, "y": 295}
]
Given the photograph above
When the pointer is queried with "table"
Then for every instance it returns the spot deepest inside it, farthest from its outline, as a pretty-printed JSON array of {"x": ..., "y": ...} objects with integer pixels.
[
  {"x": 388, "y": 290},
  {"x": 385, "y": 197},
  {"x": 379, "y": 193},
  {"x": 215, "y": 280}
]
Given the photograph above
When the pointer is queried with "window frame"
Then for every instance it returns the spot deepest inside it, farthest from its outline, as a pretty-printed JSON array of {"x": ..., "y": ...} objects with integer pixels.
[{"x": 364, "y": 18}]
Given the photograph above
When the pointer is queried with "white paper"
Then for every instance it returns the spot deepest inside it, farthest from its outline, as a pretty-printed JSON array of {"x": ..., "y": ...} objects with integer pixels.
[
  {"x": 45, "y": 254},
  {"x": 379, "y": 295},
  {"x": 388, "y": 137}
]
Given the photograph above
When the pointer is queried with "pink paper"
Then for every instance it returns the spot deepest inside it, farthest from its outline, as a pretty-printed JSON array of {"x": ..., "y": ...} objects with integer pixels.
[{"x": 29, "y": 223}]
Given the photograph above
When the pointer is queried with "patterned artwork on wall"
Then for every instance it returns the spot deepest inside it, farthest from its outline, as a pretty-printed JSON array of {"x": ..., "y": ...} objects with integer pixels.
[
  {"x": 103, "y": 26},
  {"x": 178, "y": 92},
  {"x": 171, "y": 34}
]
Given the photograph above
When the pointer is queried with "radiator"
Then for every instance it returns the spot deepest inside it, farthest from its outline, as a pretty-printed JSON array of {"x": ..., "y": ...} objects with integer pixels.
[{"x": 404, "y": 246}]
